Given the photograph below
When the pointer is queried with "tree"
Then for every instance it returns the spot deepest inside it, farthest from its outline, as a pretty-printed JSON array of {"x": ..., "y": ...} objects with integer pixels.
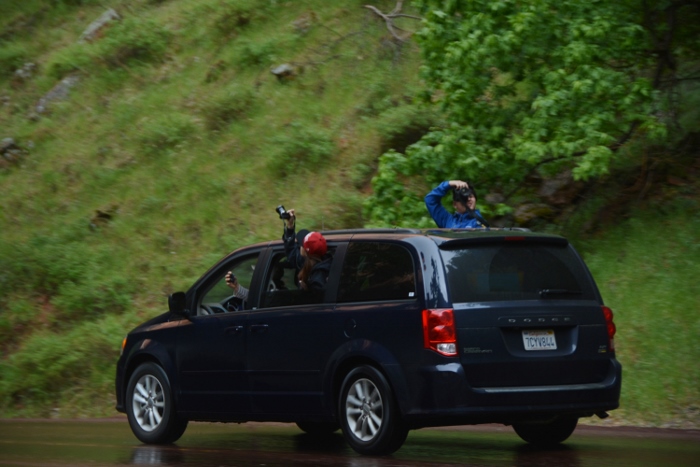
[{"x": 538, "y": 85}]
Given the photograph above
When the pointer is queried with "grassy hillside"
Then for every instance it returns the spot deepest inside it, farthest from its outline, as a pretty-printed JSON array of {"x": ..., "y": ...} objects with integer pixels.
[{"x": 176, "y": 143}]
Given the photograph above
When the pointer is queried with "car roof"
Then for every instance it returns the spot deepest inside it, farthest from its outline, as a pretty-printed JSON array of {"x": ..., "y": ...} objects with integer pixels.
[{"x": 445, "y": 238}]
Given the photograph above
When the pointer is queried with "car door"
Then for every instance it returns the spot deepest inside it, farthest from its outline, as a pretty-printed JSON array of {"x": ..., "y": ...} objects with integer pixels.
[
  {"x": 211, "y": 352},
  {"x": 289, "y": 341}
]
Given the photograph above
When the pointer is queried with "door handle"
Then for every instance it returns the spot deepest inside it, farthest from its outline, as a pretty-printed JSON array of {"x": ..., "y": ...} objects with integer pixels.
[
  {"x": 234, "y": 330},
  {"x": 258, "y": 327}
]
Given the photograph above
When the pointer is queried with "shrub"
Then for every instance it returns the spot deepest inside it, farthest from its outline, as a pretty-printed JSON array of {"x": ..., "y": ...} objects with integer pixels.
[
  {"x": 227, "y": 106},
  {"x": 235, "y": 15},
  {"x": 299, "y": 148},
  {"x": 165, "y": 132},
  {"x": 256, "y": 52},
  {"x": 12, "y": 57},
  {"x": 133, "y": 41}
]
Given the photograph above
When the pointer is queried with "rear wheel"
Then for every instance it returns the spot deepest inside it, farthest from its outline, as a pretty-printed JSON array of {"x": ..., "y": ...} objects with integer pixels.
[
  {"x": 546, "y": 434},
  {"x": 150, "y": 407},
  {"x": 369, "y": 415}
]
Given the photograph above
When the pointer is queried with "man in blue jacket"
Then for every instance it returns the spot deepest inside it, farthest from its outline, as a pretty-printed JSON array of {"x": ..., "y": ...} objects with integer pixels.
[{"x": 463, "y": 201}]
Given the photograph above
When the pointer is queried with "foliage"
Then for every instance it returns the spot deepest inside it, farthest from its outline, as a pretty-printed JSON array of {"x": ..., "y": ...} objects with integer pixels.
[
  {"x": 227, "y": 105},
  {"x": 134, "y": 41},
  {"x": 528, "y": 86},
  {"x": 12, "y": 56},
  {"x": 299, "y": 148},
  {"x": 164, "y": 132}
]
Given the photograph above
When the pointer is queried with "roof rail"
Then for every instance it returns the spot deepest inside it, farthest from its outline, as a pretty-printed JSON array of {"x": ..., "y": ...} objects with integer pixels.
[{"x": 396, "y": 230}]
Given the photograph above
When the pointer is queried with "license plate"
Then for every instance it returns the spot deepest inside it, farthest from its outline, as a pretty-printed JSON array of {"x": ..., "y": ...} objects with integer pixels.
[{"x": 540, "y": 340}]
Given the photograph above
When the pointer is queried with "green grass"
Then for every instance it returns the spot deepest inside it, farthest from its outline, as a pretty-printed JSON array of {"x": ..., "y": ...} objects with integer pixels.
[{"x": 647, "y": 270}]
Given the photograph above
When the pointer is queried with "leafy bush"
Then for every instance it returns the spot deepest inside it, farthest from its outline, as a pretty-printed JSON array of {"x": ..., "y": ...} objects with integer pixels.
[
  {"x": 77, "y": 57},
  {"x": 299, "y": 148},
  {"x": 255, "y": 52},
  {"x": 165, "y": 132},
  {"x": 51, "y": 367},
  {"x": 12, "y": 57},
  {"x": 399, "y": 127},
  {"x": 77, "y": 275},
  {"x": 234, "y": 15},
  {"x": 133, "y": 41},
  {"x": 224, "y": 107}
]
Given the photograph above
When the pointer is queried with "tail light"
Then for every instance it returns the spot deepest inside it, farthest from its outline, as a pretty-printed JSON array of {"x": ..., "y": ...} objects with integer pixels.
[
  {"x": 612, "y": 329},
  {"x": 439, "y": 332}
]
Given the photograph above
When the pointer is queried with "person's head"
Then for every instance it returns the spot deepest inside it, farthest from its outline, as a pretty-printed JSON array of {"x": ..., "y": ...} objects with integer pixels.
[
  {"x": 314, "y": 246},
  {"x": 464, "y": 199}
]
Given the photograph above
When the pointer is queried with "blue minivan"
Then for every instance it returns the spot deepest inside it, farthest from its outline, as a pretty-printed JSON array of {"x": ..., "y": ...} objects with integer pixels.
[{"x": 416, "y": 328}]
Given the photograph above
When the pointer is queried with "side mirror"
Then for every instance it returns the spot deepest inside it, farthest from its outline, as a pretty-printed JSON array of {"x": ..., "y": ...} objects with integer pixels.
[{"x": 177, "y": 303}]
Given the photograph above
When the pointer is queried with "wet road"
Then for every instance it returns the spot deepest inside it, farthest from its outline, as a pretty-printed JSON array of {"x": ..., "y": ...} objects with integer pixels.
[{"x": 110, "y": 442}]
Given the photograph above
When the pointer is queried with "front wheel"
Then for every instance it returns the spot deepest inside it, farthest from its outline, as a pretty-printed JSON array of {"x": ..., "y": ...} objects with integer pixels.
[
  {"x": 369, "y": 415},
  {"x": 150, "y": 407},
  {"x": 546, "y": 434}
]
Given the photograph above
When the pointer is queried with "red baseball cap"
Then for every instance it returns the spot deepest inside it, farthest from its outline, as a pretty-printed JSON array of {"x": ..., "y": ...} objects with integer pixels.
[{"x": 315, "y": 244}]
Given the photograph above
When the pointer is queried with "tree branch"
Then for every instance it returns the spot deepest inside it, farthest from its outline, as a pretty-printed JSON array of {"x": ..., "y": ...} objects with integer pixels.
[{"x": 389, "y": 19}]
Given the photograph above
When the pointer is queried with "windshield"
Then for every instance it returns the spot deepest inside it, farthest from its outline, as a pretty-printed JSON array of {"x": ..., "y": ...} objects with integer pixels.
[{"x": 516, "y": 271}]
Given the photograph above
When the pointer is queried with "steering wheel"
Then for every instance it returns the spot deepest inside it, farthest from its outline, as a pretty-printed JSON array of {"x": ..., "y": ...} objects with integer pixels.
[{"x": 233, "y": 303}]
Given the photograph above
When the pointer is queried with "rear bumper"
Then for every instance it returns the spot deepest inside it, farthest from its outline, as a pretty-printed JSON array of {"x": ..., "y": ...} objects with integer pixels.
[{"x": 445, "y": 398}]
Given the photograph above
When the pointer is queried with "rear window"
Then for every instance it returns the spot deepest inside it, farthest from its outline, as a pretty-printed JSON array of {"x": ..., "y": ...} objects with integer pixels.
[{"x": 516, "y": 271}]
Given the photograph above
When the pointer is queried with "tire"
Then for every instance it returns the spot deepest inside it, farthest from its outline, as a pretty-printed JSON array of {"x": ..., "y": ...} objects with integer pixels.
[
  {"x": 369, "y": 415},
  {"x": 150, "y": 408},
  {"x": 318, "y": 428},
  {"x": 546, "y": 434}
]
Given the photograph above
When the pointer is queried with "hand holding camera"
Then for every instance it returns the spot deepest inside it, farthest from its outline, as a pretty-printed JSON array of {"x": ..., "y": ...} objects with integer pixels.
[{"x": 289, "y": 216}]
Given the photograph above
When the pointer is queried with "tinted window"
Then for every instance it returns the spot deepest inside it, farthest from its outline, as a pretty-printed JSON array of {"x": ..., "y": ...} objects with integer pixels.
[
  {"x": 515, "y": 272},
  {"x": 377, "y": 271}
]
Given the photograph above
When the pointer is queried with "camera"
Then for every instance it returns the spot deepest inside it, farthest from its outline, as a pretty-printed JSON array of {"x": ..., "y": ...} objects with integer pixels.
[
  {"x": 463, "y": 193},
  {"x": 282, "y": 212}
]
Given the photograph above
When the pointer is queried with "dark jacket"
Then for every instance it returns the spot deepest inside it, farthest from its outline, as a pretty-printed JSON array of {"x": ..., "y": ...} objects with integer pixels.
[
  {"x": 319, "y": 273},
  {"x": 443, "y": 219}
]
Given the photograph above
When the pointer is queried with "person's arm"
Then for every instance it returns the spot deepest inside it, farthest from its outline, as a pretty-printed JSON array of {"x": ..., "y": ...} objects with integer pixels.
[
  {"x": 238, "y": 290},
  {"x": 291, "y": 248},
  {"x": 433, "y": 201}
]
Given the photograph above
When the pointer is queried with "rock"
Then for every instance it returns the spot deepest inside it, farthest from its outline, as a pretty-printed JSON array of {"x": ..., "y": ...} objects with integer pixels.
[
  {"x": 304, "y": 22},
  {"x": 58, "y": 93},
  {"x": 24, "y": 74},
  {"x": 560, "y": 190},
  {"x": 284, "y": 71},
  {"x": 494, "y": 198},
  {"x": 10, "y": 153},
  {"x": 93, "y": 30},
  {"x": 526, "y": 213}
]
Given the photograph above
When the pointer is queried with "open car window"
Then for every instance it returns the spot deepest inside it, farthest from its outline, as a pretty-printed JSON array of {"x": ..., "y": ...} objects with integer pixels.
[
  {"x": 281, "y": 286},
  {"x": 220, "y": 298}
]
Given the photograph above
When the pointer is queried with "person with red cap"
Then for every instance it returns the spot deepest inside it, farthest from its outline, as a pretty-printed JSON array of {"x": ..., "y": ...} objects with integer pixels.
[{"x": 308, "y": 252}]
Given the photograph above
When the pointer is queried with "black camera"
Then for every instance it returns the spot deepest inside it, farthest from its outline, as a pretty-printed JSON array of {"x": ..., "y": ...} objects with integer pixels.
[
  {"x": 282, "y": 212},
  {"x": 462, "y": 194}
]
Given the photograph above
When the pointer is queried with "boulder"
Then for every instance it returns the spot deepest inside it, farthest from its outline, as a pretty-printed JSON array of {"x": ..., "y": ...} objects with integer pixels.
[{"x": 93, "y": 30}]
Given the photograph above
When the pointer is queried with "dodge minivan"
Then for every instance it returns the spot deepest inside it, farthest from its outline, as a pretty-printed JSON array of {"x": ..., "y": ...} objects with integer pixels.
[{"x": 416, "y": 328}]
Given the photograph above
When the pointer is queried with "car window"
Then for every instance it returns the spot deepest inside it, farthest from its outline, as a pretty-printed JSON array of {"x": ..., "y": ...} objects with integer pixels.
[
  {"x": 515, "y": 272},
  {"x": 220, "y": 297},
  {"x": 377, "y": 271},
  {"x": 281, "y": 285}
]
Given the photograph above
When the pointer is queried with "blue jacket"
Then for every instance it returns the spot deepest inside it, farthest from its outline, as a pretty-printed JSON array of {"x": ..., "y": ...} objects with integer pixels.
[{"x": 444, "y": 219}]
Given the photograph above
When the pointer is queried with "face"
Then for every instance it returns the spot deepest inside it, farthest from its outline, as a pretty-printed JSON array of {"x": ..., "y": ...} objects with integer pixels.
[{"x": 461, "y": 208}]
